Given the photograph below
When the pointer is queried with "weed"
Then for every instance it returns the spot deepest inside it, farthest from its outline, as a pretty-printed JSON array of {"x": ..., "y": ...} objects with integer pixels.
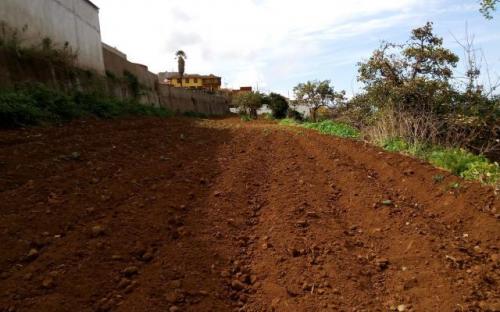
[
  {"x": 438, "y": 178},
  {"x": 458, "y": 161},
  {"x": 288, "y": 122}
]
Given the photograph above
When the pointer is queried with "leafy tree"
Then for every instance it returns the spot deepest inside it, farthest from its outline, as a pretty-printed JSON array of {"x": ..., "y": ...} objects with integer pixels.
[
  {"x": 414, "y": 75},
  {"x": 278, "y": 105},
  {"x": 488, "y": 7},
  {"x": 249, "y": 102},
  {"x": 316, "y": 94},
  {"x": 181, "y": 63}
]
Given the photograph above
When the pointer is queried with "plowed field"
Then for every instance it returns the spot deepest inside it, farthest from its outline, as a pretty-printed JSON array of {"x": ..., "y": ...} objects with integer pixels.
[{"x": 225, "y": 215}]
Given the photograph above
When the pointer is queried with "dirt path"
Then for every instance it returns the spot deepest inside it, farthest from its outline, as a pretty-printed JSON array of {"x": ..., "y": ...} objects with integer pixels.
[{"x": 222, "y": 215}]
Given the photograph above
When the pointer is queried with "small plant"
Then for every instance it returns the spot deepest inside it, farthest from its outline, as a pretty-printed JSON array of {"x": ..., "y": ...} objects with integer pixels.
[
  {"x": 455, "y": 186},
  {"x": 395, "y": 145},
  {"x": 438, "y": 178},
  {"x": 288, "y": 122},
  {"x": 387, "y": 202}
]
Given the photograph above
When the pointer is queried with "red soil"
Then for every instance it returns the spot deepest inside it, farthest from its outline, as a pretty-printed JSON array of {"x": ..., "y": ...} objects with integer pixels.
[{"x": 222, "y": 215}]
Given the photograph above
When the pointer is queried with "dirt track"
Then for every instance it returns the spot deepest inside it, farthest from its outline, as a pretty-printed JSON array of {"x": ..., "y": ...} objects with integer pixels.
[{"x": 221, "y": 215}]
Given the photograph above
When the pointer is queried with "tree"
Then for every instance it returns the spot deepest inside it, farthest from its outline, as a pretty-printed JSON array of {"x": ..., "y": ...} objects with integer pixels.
[
  {"x": 249, "y": 102},
  {"x": 278, "y": 105},
  {"x": 414, "y": 75},
  {"x": 181, "y": 63},
  {"x": 315, "y": 94},
  {"x": 488, "y": 7}
]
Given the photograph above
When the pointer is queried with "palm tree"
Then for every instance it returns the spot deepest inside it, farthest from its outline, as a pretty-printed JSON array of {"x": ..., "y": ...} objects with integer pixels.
[{"x": 181, "y": 63}]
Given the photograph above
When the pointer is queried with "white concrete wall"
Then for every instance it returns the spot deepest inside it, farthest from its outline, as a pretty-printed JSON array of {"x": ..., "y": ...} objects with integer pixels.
[{"x": 72, "y": 21}]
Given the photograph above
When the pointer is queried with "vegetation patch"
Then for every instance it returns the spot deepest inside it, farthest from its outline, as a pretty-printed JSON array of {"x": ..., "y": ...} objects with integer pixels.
[
  {"x": 458, "y": 161},
  {"x": 329, "y": 127},
  {"x": 38, "y": 104}
]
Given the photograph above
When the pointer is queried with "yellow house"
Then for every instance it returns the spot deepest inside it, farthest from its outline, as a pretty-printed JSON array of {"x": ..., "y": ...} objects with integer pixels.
[{"x": 195, "y": 81}]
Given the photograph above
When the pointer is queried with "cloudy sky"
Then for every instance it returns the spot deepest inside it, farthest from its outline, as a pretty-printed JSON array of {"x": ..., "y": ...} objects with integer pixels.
[{"x": 275, "y": 44}]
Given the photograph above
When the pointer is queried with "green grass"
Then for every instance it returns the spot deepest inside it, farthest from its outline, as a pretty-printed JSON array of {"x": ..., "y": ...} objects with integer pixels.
[
  {"x": 288, "y": 122},
  {"x": 329, "y": 127},
  {"x": 38, "y": 104},
  {"x": 458, "y": 161}
]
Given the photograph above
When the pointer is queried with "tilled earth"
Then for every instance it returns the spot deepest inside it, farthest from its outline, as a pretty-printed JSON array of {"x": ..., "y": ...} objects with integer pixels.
[{"x": 222, "y": 215}]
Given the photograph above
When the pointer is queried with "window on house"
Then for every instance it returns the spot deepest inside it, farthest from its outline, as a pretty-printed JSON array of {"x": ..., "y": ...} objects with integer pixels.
[
  {"x": 186, "y": 80},
  {"x": 179, "y": 80},
  {"x": 195, "y": 80}
]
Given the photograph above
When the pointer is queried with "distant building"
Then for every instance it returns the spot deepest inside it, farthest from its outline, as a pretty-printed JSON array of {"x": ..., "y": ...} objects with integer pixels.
[
  {"x": 243, "y": 90},
  {"x": 194, "y": 81}
]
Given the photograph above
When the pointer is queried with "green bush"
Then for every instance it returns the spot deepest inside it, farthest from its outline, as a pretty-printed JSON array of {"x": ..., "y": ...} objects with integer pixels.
[
  {"x": 58, "y": 105},
  {"x": 18, "y": 109},
  {"x": 455, "y": 160},
  {"x": 488, "y": 173},
  {"x": 395, "y": 145}
]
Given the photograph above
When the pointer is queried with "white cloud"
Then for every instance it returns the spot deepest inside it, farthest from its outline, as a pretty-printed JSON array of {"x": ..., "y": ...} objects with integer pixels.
[{"x": 245, "y": 41}]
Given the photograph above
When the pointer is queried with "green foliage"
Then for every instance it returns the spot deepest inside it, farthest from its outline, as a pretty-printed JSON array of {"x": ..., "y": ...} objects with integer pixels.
[
  {"x": 455, "y": 160},
  {"x": 333, "y": 128},
  {"x": 17, "y": 109},
  {"x": 395, "y": 145},
  {"x": 245, "y": 117},
  {"x": 133, "y": 83},
  {"x": 487, "y": 7},
  {"x": 316, "y": 94},
  {"x": 278, "y": 105},
  {"x": 288, "y": 122},
  {"x": 36, "y": 104},
  {"x": 329, "y": 127},
  {"x": 249, "y": 102},
  {"x": 458, "y": 161},
  {"x": 486, "y": 172},
  {"x": 410, "y": 76}
]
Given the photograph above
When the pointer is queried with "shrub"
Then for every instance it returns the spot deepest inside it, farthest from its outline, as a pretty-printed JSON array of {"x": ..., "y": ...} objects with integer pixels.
[
  {"x": 483, "y": 171},
  {"x": 278, "y": 105},
  {"x": 455, "y": 160},
  {"x": 18, "y": 109},
  {"x": 58, "y": 105},
  {"x": 295, "y": 115}
]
